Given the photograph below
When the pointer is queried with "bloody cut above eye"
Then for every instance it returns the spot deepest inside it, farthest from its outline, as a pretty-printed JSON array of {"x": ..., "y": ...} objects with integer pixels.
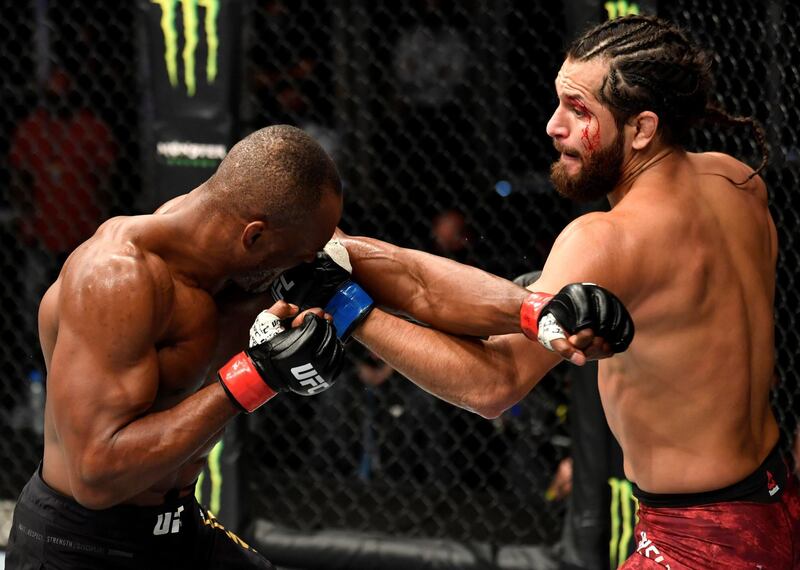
[{"x": 578, "y": 105}]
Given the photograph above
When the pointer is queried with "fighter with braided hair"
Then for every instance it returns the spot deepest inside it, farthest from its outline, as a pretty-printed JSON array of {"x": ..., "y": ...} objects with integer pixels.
[{"x": 689, "y": 247}]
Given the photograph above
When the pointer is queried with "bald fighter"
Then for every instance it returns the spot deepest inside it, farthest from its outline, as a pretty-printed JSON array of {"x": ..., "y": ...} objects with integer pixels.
[
  {"x": 140, "y": 335},
  {"x": 689, "y": 247}
]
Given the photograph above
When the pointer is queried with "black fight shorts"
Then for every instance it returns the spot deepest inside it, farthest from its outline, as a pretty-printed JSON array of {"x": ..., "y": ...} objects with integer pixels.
[{"x": 51, "y": 531}]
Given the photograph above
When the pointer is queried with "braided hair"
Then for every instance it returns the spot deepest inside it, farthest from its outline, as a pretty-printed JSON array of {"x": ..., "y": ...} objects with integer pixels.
[{"x": 654, "y": 66}]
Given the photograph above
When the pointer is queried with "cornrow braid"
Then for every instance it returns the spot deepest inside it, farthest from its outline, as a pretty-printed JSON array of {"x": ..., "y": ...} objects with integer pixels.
[
  {"x": 716, "y": 114},
  {"x": 654, "y": 66}
]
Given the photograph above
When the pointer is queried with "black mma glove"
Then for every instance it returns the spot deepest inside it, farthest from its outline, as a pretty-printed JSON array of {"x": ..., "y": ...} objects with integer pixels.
[
  {"x": 310, "y": 284},
  {"x": 305, "y": 360},
  {"x": 326, "y": 282},
  {"x": 577, "y": 306}
]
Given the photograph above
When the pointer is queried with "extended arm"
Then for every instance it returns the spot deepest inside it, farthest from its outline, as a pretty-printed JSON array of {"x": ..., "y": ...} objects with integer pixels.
[
  {"x": 445, "y": 294},
  {"x": 464, "y": 300},
  {"x": 489, "y": 376},
  {"x": 485, "y": 377}
]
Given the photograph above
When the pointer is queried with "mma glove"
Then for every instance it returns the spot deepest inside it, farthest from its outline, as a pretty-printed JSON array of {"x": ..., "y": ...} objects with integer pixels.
[
  {"x": 305, "y": 360},
  {"x": 326, "y": 282},
  {"x": 576, "y": 307}
]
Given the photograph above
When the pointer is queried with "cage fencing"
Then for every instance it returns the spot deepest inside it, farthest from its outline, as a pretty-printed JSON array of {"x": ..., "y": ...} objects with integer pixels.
[{"x": 435, "y": 114}]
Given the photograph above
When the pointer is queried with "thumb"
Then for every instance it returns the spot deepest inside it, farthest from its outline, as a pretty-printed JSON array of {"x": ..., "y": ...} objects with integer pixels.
[
  {"x": 300, "y": 318},
  {"x": 283, "y": 310}
]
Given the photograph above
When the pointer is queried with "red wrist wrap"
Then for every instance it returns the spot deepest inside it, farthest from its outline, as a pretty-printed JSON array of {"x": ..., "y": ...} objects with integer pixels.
[
  {"x": 529, "y": 313},
  {"x": 243, "y": 383}
]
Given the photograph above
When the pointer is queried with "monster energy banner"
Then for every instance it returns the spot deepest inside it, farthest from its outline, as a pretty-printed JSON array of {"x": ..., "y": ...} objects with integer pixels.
[
  {"x": 190, "y": 54},
  {"x": 581, "y": 14},
  {"x": 218, "y": 485},
  {"x": 189, "y": 51}
]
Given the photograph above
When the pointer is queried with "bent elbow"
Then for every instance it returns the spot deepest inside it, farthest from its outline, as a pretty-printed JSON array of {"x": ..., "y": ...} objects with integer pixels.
[
  {"x": 490, "y": 413},
  {"x": 90, "y": 485},
  {"x": 492, "y": 403}
]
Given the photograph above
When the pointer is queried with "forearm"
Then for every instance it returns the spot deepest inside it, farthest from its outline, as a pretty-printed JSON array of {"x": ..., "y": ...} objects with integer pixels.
[
  {"x": 447, "y": 295},
  {"x": 146, "y": 450},
  {"x": 485, "y": 377}
]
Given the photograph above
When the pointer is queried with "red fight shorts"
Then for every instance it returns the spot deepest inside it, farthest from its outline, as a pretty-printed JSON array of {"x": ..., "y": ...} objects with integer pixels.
[{"x": 753, "y": 524}]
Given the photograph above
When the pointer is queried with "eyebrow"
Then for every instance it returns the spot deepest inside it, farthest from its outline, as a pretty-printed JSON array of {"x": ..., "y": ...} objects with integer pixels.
[{"x": 574, "y": 97}]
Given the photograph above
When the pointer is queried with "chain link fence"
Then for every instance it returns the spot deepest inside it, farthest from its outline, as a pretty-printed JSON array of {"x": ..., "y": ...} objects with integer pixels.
[{"x": 435, "y": 114}]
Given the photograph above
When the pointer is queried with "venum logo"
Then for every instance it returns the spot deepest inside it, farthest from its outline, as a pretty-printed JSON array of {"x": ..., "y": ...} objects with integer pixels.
[
  {"x": 649, "y": 550},
  {"x": 310, "y": 377},
  {"x": 191, "y": 26},
  {"x": 163, "y": 525}
]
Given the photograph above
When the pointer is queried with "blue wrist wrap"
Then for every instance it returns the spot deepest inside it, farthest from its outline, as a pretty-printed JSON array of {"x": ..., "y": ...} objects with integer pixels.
[{"x": 348, "y": 306}]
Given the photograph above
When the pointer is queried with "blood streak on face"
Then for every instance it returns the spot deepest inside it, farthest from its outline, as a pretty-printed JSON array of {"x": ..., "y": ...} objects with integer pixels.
[{"x": 590, "y": 140}]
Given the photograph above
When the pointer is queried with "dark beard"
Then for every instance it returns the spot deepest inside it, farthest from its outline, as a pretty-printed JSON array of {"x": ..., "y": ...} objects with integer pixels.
[{"x": 598, "y": 176}]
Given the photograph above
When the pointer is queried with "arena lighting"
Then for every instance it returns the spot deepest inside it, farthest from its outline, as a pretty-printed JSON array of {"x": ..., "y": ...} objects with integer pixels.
[{"x": 503, "y": 187}]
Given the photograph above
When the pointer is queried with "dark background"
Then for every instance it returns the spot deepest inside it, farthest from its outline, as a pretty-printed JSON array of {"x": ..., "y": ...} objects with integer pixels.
[{"x": 429, "y": 107}]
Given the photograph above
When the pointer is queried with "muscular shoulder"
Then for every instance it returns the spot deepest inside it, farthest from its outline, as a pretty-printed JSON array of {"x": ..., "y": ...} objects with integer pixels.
[
  {"x": 596, "y": 227},
  {"x": 101, "y": 279},
  {"x": 591, "y": 248}
]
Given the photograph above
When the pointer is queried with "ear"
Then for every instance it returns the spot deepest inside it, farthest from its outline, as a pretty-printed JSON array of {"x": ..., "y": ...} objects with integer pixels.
[
  {"x": 645, "y": 126},
  {"x": 252, "y": 232}
]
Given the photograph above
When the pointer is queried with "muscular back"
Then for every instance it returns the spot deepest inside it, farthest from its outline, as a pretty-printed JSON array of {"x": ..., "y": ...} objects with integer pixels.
[{"x": 696, "y": 265}]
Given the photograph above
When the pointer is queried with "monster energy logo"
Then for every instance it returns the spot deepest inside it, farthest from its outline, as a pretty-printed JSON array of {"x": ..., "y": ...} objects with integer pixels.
[
  {"x": 215, "y": 476},
  {"x": 189, "y": 13},
  {"x": 623, "y": 511},
  {"x": 620, "y": 8},
  {"x": 179, "y": 153}
]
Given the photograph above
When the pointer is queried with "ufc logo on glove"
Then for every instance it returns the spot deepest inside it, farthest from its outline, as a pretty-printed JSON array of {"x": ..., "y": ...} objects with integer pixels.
[
  {"x": 308, "y": 376},
  {"x": 280, "y": 286}
]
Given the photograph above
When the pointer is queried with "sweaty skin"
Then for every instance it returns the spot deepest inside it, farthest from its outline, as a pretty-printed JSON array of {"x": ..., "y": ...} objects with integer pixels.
[
  {"x": 692, "y": 256},
  {"x": 133, "y": 331}
]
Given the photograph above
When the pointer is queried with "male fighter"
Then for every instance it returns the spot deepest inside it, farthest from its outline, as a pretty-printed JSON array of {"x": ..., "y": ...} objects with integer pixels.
[
  {"x": 134, "y": 332},
  {"x": 689, "y": 246}
]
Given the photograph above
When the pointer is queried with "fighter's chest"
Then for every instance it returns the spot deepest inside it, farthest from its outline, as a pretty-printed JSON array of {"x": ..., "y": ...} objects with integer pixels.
[{"x": 187, "y": 345}]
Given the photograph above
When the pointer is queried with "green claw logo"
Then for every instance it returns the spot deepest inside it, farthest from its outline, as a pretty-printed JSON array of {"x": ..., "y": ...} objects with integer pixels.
[
  {"x": 189, "y": 13},
  {"x": 624, "y": 516},
  {"x": 620, "y": 8}
]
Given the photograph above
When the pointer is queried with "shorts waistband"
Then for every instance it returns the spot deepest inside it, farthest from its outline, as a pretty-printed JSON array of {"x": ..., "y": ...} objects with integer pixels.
[
  {"x": 40, "y": 499},
  {"x": 764, "y": 485}
]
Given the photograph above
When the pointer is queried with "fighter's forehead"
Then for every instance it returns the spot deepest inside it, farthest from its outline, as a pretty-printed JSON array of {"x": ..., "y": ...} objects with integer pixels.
[{"x": 581, "y": 79}]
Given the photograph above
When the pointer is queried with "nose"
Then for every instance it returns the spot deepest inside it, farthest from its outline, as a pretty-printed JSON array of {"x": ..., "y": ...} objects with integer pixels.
[{"x": 555, "y": 128}]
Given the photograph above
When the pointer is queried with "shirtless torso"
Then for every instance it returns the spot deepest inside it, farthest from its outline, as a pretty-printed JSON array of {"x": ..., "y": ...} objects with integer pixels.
[
  {"x": 694, "y": 259},
  {"x": 690, "y": 254},
  {"x": 145, "y": 336},
  {"x": 169, "y": 335},
  {"x": 184, "y": 336}
]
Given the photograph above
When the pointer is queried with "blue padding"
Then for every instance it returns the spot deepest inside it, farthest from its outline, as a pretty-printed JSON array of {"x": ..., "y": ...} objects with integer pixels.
[{"x": 348, "y": 306}]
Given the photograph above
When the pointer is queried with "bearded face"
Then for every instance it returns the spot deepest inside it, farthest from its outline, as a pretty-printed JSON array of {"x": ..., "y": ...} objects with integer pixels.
[{"x": 600, "y": 170}]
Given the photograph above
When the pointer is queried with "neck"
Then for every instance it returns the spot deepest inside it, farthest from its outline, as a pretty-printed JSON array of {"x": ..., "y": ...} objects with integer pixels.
[
  {"x": 193, "y": 238},
  {"x": 637, "y": 165}
]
